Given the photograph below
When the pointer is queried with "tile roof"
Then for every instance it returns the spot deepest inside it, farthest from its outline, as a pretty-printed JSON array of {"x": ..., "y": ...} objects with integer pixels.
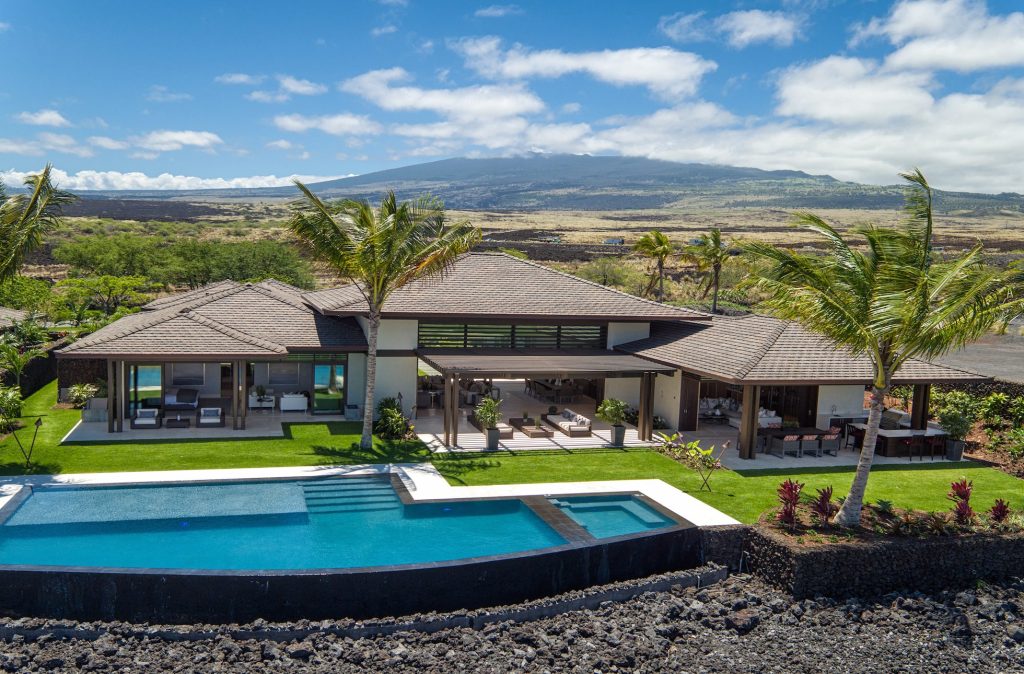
[
  {"x": 490, "y": 284},
  {"x": 9, "y": 316},
  {"x": 223, "y": 319},
  {"x": 758, "y": 349},
  {"x": 501, "y": 362}
]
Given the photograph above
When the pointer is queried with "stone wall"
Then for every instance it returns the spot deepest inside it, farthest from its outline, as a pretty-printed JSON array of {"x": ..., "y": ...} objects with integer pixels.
[
  {"x": 80, "y": 371},
  {"x": 39, "y": 372},
  {"x": 873, "y": 568},
  {"x": 725, "y": 545}
]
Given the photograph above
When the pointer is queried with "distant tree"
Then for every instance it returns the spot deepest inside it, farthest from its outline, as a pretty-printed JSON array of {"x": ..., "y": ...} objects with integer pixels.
[
  {"x": 710, "y": 254},
  {"x": 106, "y": 293},
  {"x": 119, "y": 255},
  {"x": 890, "y": 303},
  {"x": 21, "y": 292},
  {"x": 379, "y": 251},
  {"x": 656, "y": 246},
  {"x": 608, "y": 271},
  {"x": 26, "y": 219}
]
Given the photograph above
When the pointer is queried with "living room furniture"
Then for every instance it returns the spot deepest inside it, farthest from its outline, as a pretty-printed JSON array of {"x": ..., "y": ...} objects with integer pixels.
[
  {"x": 810, "y": 444},
  {"x": 178, "y": 399},
  {"x": 570, "y": 423},
  {"x": 782, "y": 445},
  {"x": 293, "y": 402},
  {"x": 146, "y": 418},
  {"x": 208, "y": 417},
  {"x": 831, "y": 443},
  {"x": 262, "y": 402},
  {"x": 505, "y": 431},
  {"x": 531, "y": 427},
  {"x": 713, "y": 419},
  {"x": 176, "y": 422}
]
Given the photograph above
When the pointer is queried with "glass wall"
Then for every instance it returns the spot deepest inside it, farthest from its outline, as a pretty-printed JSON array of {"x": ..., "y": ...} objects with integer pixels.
[
  {"x": 145, "y": 385},
  {"x": 329, "y": 385},
  {"x": 494, "y": 335}
]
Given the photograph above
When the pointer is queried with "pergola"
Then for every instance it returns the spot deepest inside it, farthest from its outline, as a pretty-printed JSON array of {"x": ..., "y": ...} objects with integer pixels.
[{"x": 509, "y": 364}]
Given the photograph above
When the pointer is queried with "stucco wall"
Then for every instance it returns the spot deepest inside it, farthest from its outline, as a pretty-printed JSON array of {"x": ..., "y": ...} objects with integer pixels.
[
  {"x": 394, "y": 333},
  {"x": 849, "y": 401},
  {"x": 397, "y": 374},
  {"x": 356, "y": 378},
  {"x": 620, "y": 333},
  {"x": 626, "y": 388},
  {"x": 666, "y": 399}
]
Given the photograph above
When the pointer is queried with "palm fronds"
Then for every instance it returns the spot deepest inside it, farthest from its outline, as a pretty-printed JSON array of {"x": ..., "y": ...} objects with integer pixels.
[{"x": 26, "y": 219}]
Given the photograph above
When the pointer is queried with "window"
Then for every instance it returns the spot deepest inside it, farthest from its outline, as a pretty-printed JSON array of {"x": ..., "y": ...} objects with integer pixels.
[
  {"x": 497, "y": 336},
  {"x": 188, "y": 374},
  {"x": 283, "y": 374}
]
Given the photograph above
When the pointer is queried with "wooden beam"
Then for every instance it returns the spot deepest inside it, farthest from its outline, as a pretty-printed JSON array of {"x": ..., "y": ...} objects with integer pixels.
[
  {"x": 919, "y": 406},
  {"x": 748, "y": 421},
  {"x": 111, "y": 395},
  {"x": 645, "y": 420},
  {"x": 243, "y": 391}
]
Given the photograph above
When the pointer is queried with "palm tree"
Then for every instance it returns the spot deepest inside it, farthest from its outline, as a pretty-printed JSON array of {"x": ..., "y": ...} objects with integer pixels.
[
  {"x": 379, "y": 251},
  {"x": 889, "y": 303},
  {"x": 710, "y": 254},
  {"x": 14, "y": 360},
  {"x": 655, "y": 245},
  {"x": 25, "y": 219}
]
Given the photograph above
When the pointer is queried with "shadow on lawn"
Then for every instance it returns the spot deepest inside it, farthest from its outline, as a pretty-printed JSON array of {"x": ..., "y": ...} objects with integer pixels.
[
  {"x": 877, "y": 468},
  {"x": 12, "y": 468},
  {"x": 384, "y": 451}
]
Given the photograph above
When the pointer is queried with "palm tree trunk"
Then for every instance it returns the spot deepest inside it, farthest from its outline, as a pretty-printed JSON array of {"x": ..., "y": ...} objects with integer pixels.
[
  {"x": 366, "y": 442},
  {"x": 849, "y": 512},
  {"x": 661, "y": 280},
  {"x": 714, "y": 296}
]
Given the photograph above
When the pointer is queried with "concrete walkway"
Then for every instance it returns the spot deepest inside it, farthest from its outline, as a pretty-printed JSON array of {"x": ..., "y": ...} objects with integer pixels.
[{"x": 422, "y": 480}]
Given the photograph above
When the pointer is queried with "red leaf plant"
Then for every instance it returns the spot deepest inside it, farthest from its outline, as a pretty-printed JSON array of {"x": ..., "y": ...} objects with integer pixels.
[{"x": 789, "y": 497}]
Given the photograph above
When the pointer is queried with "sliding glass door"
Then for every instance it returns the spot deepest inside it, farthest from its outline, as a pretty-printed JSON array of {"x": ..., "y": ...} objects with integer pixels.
[
  {"x": 145, "y": 384},
  {"x": 328, "y": 388}
]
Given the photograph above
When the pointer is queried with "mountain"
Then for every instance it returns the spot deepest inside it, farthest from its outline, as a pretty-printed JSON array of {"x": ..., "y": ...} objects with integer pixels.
[{"x": 583, "y": 182}]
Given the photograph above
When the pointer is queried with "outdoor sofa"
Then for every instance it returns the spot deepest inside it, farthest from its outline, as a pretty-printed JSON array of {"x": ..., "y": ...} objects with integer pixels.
[
  {"x": 179, "y": 399},
  {"x": 570, "y": 423}
]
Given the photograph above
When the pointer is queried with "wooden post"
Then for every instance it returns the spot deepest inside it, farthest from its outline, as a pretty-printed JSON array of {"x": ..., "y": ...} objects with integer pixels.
[
  {"x": 748, "y": 421},
  {"x": 645, "y": 421},
  {"x": 444, "y": 408},
  {"x": 234, "y": 395},
  {"x": 111, "y": 396},
  {"x": 243, "y": 390},
  {"x": 919, "y": 406},
  {"x": 122, "y": 396},
  {"x": 455, "y": 409},
  {"x": 689, "y": 401}
]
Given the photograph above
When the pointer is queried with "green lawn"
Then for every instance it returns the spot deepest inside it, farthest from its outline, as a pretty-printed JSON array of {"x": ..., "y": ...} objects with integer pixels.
[{"x": 742, "y": 494}]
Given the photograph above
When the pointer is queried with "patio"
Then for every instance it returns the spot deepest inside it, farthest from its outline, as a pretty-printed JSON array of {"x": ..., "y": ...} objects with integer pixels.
[{"x": 259, "y": 424}]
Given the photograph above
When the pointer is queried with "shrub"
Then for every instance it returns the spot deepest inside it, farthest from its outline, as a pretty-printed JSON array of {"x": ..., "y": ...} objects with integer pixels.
[
  {"x": 1013, "y": 442},
  {"x": 999, "y": 513},
  {"x": 903, "y": 524},
  {"x": 937, "y": 524},
  {"x": 789, "y": 497},
  {"x": 994, "y": 407},
  {"x": 612, "y": 411},
  {"x": 392, "y": 425},
  {"x": 10, "y": 402},
  {"x": 388, "y": 404},
  {"x": 884, "y": 507},
  {"x": 80, "y": 394},
  {"x": 1015, "y": 410},
  {"x": 960, "y": 495},
  {"x": 823, "y": 507}
]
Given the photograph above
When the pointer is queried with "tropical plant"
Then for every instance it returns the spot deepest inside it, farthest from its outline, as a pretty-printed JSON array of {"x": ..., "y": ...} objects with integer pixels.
[
  {"x": 957, "y": 418},
  {"x": 10, "y": 405},
  {"x": 904, "y": 394},
  {"x": 612, "y": 411},
  {"x": 488, "y": 412},
  {"x": 106, "y": 293},
  {"x": 823, "y": 507},
  {"x": 710, "y": 254},
  {"x": 379, "y": 251},
  {"x": 888, "y": 304},
  {"x": 1013, "y": 442},
  {"x": 999, "y": 513},
  {"x": 960, "y": 494},
  {"x": 608, "y": 271},
  {"x": 15, "y": 360},
  {"x": 656, "y": 246},
  {"x": 1016, "y": 411},
  {"x": 26, "y": 219},
  {"x": 884, "y": 507},
  {"x": 994, "y": 407},
  {"x": 391, "y": 421},
  {"x": 80, "y": 394},
  {"x": 789, "y": 498}
]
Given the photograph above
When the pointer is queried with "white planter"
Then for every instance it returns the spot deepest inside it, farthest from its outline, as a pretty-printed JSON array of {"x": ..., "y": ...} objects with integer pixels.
[{"x": 95, "y": 410}]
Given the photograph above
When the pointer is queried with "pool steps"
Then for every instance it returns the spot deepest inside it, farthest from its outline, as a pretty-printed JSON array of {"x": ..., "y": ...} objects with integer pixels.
[{"x": 350, "y": 495}]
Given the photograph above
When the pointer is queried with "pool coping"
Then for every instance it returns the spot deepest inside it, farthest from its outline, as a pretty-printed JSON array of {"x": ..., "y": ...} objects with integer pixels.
[{"x": 420, "y": 483}]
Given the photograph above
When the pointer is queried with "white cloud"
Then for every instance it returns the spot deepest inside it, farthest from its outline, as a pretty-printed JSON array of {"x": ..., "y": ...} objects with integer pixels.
[
  {"x": 23, "y": 147},
  {"x": 159, "y": 93},
  {"x": 667, "y": 72},
  {"x": 571, "y": 108},
  {"x": 261, "y": 96},
  {"x": 4, "y": 26},
  {"x": 60, "y": 142},
  {"x": 748, "y": 27},
  {"x": 336, "y": 125},
  {"x": 116, "y": 180},
  {"x": 851, "y": 91},
  {"x": 958, "y": 35},
  {"x": 108, "y": 143},
  {"x": 44, "y": 117},
  {"x": 239, "y": 78},
  {"x": 281, "y": 144},
  {"x": 683, "y": 27},
  {"x": 384, "y": 30},
  {"x": 166, "y": 141},
  {"x": 497, "y": 11},
  {"x": 294, "y": 85}
]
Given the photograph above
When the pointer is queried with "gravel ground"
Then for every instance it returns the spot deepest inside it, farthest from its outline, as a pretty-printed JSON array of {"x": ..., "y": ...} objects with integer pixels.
[{"x": 739, "y": 625}]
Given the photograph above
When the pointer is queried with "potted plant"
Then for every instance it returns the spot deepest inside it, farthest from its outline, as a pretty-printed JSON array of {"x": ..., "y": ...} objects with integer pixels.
[
  {"x": 488, "y": 414},
  {"x": 613, "y": 411},
  {"x": 957, "y": 416}
]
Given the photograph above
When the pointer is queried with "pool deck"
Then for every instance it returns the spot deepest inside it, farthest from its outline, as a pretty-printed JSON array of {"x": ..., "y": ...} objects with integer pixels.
[{"x": 422, "y": 480}]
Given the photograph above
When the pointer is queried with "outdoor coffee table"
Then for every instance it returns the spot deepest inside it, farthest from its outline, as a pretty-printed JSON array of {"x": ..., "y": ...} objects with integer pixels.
[
  {"x": 714, "y": 418},
  {"x": 172, "y": 422}
]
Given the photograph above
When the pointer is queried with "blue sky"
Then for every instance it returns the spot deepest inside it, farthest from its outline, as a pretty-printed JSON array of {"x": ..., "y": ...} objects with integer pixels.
[{"x": 206, "y": 94}]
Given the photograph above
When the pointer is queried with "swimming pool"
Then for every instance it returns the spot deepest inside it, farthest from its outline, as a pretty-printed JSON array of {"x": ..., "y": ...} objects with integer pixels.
[
  {"x": 334, "y": 523},
  {"x": 608, "y": 515}
]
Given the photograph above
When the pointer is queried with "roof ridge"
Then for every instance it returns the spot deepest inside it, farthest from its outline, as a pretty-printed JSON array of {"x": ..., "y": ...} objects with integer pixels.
[
  {"x": 232, "y": 332},
  {"x": 595, "y": 284},
  {"x": 153, "y": 318},
  {"x": 766, "y": 346},
  {"x": 192, "y": 303},
  {"x": 178, "y": 298},
  {"x": 277, "y": 295}
]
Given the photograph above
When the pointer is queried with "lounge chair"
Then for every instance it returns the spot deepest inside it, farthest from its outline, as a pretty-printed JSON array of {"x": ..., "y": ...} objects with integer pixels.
[
  {"x": 208, "y": 417},
  {"x": 146, "y": 418}
]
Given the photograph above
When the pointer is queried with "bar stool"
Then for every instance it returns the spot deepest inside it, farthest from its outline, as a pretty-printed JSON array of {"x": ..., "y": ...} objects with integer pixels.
[
  {"x": 911, "y": 443},
  {"x": 935, "y": 442},
  {"x": 857, "y": 435}
]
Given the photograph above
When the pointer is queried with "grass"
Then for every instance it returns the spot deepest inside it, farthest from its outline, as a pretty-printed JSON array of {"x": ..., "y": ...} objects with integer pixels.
[{"x": 742, "y": 494}]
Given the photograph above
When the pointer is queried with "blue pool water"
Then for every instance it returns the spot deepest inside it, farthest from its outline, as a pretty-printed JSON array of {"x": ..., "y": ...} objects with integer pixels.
[
  {"x": 311, "y": 524},
  {"x": 610, "y": 515}
]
